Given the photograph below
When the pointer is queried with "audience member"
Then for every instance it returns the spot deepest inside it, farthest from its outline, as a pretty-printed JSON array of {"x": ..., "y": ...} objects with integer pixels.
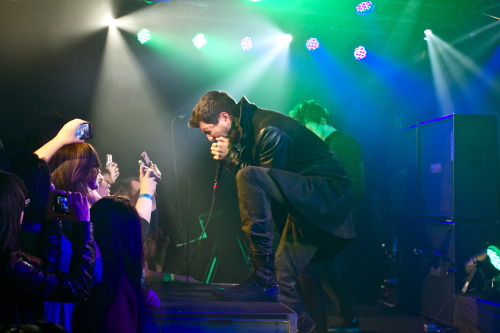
[
  {"x": 117, "y": 303},
  {"x": 155, "y": 243},
  {"x": 103, "y": 189},
  {"x": 75, "y": 167},
  {"x": 35, "y": 174},
  {"x": 111, "y": 172},
  {"x": 27, "y": 281}
]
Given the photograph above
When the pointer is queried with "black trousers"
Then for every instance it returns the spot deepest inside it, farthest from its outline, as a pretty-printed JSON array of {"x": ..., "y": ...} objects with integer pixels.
[{"x": 304, "y": 250}]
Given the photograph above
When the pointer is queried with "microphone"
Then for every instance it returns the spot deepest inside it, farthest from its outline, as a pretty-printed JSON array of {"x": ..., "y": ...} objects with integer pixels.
[{"x": 218, "y": 172}]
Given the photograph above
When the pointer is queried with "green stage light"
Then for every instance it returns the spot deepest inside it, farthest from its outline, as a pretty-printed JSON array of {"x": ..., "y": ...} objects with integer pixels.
[
  {"x": 144, "y": 36},
  {"x": 494, "y": 254},
  {"x": 199, "y": 41}
]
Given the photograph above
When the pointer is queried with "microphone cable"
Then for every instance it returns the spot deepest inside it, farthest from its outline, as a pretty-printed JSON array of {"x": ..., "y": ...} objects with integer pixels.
[
  {"x": 190, "y": 260},
  {"x": 218, "y": 173}
]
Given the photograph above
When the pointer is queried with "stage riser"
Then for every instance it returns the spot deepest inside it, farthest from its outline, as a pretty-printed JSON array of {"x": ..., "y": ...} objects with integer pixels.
[
  {"x": 222, "y": 326},
  {"x": 192, "y": 308}
]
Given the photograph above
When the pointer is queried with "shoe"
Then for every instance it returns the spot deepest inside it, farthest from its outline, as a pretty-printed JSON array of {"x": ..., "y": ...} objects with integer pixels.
[
  {"x": 339, "y": 324},
  {"x": 260, "y": 286}
]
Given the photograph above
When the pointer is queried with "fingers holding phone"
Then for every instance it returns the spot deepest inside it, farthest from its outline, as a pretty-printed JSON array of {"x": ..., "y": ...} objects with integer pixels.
[
  {"x": 71, "y": 132},
  {"x": 66, "y": 205},
  {"x": 84, "y": 131},
  {"x": 147, "y": 180},
  {"x": 112, "y": 168},
  {"x": 79, "y": 207},
  {"x": 147, "y": 162}
]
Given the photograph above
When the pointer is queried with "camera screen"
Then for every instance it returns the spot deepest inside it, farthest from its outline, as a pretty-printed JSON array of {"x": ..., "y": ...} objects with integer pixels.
[
  {"x": 61, "y": 204},
  {"x": 83, "y": 131}
]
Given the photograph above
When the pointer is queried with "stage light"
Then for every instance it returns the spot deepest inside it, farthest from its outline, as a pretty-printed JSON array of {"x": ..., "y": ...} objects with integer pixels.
[
  {"x": 199, "y": 41},
  {"x": 365, "y": 7},
  {"x": 285, "y": 39},
  {"x": 144, "y": 36},
  {"x": 312, "y": 44},
  {"x": 360, "y": 53},
  {"x": 427, "y": 33},
  {"x": 110, "y": 22},
  {"x": 246, "y": 43},
  {"x": 478, "y": 262},
  {"x": 494, "y": 254}
]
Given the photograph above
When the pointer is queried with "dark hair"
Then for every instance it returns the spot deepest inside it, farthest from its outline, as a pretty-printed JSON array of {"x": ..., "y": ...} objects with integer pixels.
[
  {"x": 35, "y": 174},
  {"x": 124, "y": 187},
  {"x": 74, "y": 166},
  {"x": 210, "y": 106},
  {"x": 117, "y": 232},
  {"x": 309, "y": 111},
  {"x": 13, "y": 194}
]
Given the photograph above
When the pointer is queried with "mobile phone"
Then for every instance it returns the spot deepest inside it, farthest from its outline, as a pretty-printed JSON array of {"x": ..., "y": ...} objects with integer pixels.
[
  {"x": 109, "y": 159},
  {"x": 61, "y": 204},
  {"x": 145, "y": 158},
  {"x": 84, "y": 131}
]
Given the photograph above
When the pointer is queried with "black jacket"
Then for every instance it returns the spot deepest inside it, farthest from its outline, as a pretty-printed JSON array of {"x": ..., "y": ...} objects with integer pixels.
[
  {"x": 311, "y": 179},
  {"x": 26, "y": 281}
]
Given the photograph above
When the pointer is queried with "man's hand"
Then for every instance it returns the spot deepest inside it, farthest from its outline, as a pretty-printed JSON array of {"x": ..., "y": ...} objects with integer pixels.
[{"x": 220, "y": 148}]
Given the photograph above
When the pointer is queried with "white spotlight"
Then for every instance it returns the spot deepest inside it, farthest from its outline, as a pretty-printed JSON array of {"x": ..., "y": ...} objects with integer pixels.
[
  {"x": 427, "y": 33},
  {"x": 286, "y": 39},
  {"x": 110, "y": 22}
]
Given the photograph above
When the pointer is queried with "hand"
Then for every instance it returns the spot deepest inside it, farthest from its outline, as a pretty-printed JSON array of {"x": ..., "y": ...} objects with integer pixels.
[
  {"x": 156, "y": 170},
  {"x": 147, "y": 180},
  {"x": 49, "y": 210},
  {"x": 67, "y": 135},
  {"x": 220, "y": 148},
  {"x": 78, "y": 207},
  {"x": 151, "y": 299},
  {"x": 114, "y": 172}
]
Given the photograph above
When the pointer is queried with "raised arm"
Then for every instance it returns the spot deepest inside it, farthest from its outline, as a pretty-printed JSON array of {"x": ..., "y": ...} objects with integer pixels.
[
  {"x": 147, "y": 190},
  {"x": 65, "y": 136}
]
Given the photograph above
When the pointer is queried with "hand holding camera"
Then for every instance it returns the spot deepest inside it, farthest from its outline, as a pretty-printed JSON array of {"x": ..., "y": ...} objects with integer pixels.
[
  {"x": 112, "y": 168},
  {"x": 147, "y": 180},
  {"x": 72, "y": 205},
  {"x": 146, "y": 161},
  {"x": 75, "y": 131}
]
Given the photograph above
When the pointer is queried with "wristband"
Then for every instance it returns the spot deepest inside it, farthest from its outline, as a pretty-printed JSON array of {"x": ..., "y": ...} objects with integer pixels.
[
  {"x": 168, "y": 277},
  {"x": 145, "y": 195}
]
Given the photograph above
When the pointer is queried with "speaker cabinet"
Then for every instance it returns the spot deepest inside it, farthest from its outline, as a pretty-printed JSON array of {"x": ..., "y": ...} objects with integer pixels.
[
  {"x": 445, "y": 249},
  {"x": 457, "y": 164}
]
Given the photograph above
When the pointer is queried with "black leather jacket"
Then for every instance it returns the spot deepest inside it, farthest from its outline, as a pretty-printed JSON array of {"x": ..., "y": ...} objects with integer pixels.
[
  {"x": 302, "y": 165},
  {"x": 26, "y": 281}
]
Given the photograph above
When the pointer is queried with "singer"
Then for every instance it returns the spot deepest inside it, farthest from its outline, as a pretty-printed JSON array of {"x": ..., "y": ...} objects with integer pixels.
[{"x": 285, "y": 175}]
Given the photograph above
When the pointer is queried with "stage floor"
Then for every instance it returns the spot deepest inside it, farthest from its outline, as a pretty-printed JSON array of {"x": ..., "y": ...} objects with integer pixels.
[{"x": 191, "y": 308}]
